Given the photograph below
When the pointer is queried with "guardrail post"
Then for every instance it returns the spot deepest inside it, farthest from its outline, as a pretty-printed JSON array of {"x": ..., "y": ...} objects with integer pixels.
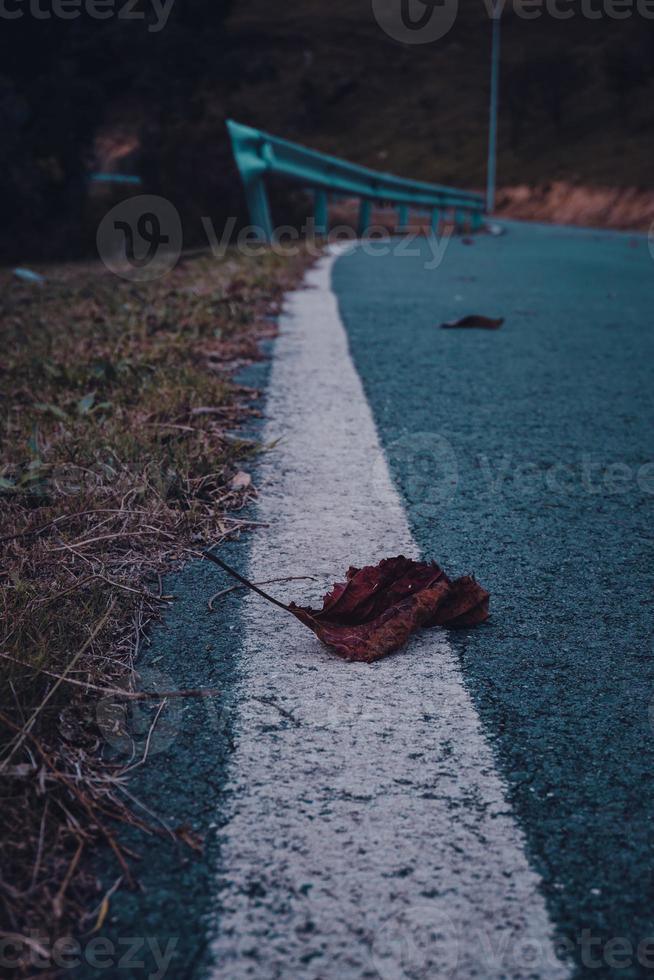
[
  {"x": 435, "y": 220},
  {"x": 403, "y": 217},
  {"x": 321, "y": 213},
  {"x": 459, "y": 220},
  {"x": 477, "y": 221},
  {"x": 365, "y": 208},
  {"x": 257, "y": 201}
]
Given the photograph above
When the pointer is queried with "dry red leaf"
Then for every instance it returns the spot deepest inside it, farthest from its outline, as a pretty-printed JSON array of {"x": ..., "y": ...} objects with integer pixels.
[
  {"x": 474, "y": 320},
  {"x": 377, "y": 608}
]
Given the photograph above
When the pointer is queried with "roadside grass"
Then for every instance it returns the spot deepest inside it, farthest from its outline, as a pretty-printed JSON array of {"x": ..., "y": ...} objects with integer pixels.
[{"x": 119, "y": 447}]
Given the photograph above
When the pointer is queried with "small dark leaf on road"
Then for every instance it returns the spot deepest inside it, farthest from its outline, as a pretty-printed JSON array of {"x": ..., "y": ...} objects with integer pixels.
[
  {"x": 375, "y": 611},
  {"x": 474, "y": 320}
]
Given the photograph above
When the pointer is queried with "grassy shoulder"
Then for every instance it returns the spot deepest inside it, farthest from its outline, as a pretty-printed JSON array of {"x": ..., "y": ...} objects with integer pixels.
[{"x": 121, "y": 456}]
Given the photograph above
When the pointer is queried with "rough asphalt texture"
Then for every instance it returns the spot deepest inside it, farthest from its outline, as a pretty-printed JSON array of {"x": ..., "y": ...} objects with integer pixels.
[
  {"x": 367, "y": 833},
  {"x": 525, "y": 455},
  {"x": 473, "y": 423}
]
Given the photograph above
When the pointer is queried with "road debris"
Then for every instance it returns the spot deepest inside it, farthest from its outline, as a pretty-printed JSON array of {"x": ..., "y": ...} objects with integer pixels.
[
  {"x": 375, "y": 611},
  {"x": 474, "y": 320}
]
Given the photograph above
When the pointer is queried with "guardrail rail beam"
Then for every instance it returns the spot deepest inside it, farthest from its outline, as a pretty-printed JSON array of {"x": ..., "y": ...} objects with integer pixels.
[{"x": 259, "y": 155}]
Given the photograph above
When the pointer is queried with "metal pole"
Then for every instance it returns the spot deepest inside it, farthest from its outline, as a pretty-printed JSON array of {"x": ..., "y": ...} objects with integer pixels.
[
  {"x": 494, "y": 100},
  {"x": 365, "y": 207},
  {"x": 321, "y": 212}
]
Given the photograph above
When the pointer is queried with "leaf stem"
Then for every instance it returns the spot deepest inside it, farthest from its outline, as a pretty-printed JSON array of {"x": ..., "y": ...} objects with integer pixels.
[{"x": 244, "y": 581}]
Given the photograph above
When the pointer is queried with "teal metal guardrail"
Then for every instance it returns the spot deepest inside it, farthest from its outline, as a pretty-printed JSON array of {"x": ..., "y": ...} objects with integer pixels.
[
  {"x": 115, "y": 179},
  {"x": 259, "y": 155}
]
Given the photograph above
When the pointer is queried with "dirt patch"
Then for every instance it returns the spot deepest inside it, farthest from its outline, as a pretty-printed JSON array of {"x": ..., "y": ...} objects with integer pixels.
[{"x": 575, "y": 204}]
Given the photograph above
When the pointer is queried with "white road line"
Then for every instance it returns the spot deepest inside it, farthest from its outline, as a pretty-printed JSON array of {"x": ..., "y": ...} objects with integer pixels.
[{"x": 368, "y": 835}]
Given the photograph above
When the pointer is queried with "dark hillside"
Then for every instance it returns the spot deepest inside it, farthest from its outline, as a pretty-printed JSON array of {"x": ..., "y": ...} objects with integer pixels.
[{"x": 577, "y": 103}]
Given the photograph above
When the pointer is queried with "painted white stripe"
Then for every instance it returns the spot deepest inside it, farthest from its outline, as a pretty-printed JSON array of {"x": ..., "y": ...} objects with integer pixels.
[{"x": 370, "y": 836}]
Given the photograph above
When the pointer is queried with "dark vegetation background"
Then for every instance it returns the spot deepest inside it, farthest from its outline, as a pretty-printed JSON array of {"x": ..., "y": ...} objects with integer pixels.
[{"x": 85, "y": 94}]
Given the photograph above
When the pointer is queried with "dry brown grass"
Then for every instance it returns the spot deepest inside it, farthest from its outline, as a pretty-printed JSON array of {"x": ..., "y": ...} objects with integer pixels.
[{"x": 118, "y": 458}]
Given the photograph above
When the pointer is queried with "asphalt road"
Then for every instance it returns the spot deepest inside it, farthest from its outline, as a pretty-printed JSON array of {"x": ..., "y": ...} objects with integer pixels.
[
  {"x": 525, "y": 455},
  {"x": 367, "y": 835},
  {"x": 500, "y": 777}
]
